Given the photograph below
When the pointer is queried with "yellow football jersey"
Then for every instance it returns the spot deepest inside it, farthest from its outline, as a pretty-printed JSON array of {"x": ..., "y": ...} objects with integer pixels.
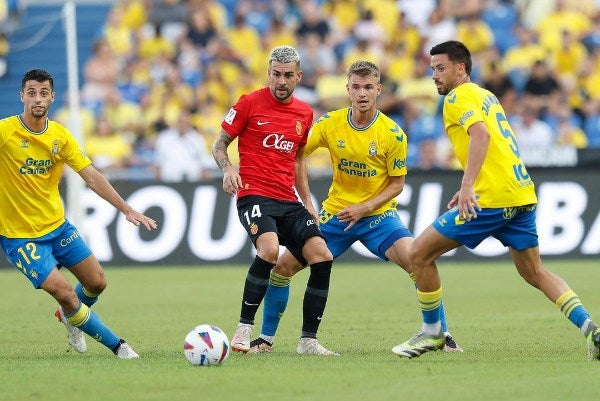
[
  {"x": 362, "y": 159},
  {"x": 32, "y": 166},
  {"x": 503, "y": 180}
]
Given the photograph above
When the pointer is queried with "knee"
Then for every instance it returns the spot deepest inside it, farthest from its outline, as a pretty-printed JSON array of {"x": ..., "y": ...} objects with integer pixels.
[
  {"x": 96, "y": 285},
  {"x": 323, "y": 254},
  {"x": 315, "y": 250},
  {"x": 287, "y": 265},
  {"x": 269, "y": 254},
  {"x": 416, "y": 259}
]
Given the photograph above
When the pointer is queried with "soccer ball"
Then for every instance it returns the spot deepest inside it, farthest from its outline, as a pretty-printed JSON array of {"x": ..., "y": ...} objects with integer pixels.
[{"x": 206, "y": 345}]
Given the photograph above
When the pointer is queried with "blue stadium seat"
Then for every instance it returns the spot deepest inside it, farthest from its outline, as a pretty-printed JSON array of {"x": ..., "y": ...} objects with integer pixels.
[
  {"x": 592, "y": 129},
  {"x": 502, "y": 18}
]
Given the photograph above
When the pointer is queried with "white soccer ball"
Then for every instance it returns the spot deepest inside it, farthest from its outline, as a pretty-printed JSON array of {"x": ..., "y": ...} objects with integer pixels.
[{"x": 206, "y": 345}]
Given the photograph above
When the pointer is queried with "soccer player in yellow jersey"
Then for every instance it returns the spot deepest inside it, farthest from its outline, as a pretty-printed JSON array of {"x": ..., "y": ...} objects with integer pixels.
[
  {"x": 496, "y": 198},
  {"x": 368, "y": 153},
  {"x": 34, "y": 234}
]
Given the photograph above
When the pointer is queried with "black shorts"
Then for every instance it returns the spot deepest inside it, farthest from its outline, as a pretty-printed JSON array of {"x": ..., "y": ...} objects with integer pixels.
[{"x": 290, "y": 220}]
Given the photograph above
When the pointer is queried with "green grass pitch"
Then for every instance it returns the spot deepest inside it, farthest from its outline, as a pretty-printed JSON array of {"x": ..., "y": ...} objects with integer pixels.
[{"x": 517, "y": 344}]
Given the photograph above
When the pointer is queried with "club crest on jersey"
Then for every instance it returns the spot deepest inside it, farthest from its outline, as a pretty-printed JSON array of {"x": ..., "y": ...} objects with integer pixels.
[
  {"x": 341, "y": 143},
  {"x": 298, "y": 128},
  {"x": 55, "y": 147},
  {"x": 372, "y": 148},
  {"x": 253, "y": 228},
  {"x": 24, "y": 143}
]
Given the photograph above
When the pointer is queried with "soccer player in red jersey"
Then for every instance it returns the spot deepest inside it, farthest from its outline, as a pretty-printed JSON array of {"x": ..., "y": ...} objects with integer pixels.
[{"x": 272, "y": 128}]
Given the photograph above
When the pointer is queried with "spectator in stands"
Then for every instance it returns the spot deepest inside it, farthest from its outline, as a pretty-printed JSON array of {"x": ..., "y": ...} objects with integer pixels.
[
  {"x": 497, "y": 81},
  {"x": 141, "y": 162},
  {"x": 134, "y": 80},
  {"x": 531, "y": 12},
  {"x": 385, "y": 13},
  {"x": 188, "y": 61},
  {"x": 401, "y": 64},
  {"x": 313, "y": 21},
  {"x": 108, "y": 149},
  {"x": 219, "y": 14},
  {"x": 200, "y": 29},
  {"x": 171, "y": 96},
  {"x": 592, "y": 123},
  {"x": 215, "y": 64},
  {"x": 369, "y": 29},
  {"x": 568, "y": 57},
  {"x": 429, "y": 158},
  {"x": 118, "y": 35},
  {"x": 460, "y": 10},
  {"x": 172, "y": 15},
  {"x": 476, "y": 35},
  {"x": 440, "y": 28},
  {"x": 4, "y": 48},
  {"x": 331, "y": 90},
  {"x": 568, "y": 133},
  {"x": 3, "y": 13},
  {"x": 518, "y": 61},
  {"x": 502, "y": 17},
  {"x": 343, "y": 14},
  {"x": 123, "y": 116},
  {"x": 532, "y": 132},
  {"x": 362, "y": 51},
  {"x": 417, "y": 12},
  {"x": 278, "y": 34},
  {"x": 208, "y": 117},
  {"x": 317, "y": 59},
  {"x": 388, "y": 101},
  {"x": 542, "y": 90},
  {"x": 243, "y": 40},
  {"x": 564, "y": 17},
  {"x": 212, "y": 87},
  {"x": 154, "y": 44},
  {"x": 181, "y": 153},
  {"x": 134, "y": 13},
  {"x": 62, "y": 115},
  {"x": 591, "y": 39},
  {"x": 101, "y": 72}
]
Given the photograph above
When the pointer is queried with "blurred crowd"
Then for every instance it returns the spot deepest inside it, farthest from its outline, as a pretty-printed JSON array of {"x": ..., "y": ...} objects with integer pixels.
[{"x": 164, "y": 73}]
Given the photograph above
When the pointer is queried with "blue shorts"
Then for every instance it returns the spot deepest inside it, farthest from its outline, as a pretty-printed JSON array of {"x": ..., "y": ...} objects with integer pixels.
[
  {"x": 512, "y": 226},
  {"x": 377, "y": 233},
  {"x": 37, "y": 257}
]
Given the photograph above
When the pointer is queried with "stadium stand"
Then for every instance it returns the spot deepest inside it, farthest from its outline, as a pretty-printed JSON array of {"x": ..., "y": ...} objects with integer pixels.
[{"x": 200, "y": 55}]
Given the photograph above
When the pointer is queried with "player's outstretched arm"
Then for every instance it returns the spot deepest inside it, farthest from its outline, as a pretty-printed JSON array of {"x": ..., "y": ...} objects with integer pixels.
[{"x": 100, "y": 185}]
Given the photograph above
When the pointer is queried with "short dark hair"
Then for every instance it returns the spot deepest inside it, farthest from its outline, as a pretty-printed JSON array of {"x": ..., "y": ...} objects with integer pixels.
[
  {"x": 457, "y": 53},
  {"x": 37, "y": 75}
]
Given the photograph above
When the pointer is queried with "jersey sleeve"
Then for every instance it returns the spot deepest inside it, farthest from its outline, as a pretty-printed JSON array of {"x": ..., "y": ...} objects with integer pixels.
[
  {"x": 237, "y": 118},
  {"x": 315, "y": 137},
  {"x": 74, "y": 156},
  {"x": 398, "y": 150},
  {"x": 463, "y": 110}
]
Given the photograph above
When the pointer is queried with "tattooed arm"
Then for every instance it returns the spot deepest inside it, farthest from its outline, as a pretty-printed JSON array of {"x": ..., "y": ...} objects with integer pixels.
[{"x": 231, "y": 178}]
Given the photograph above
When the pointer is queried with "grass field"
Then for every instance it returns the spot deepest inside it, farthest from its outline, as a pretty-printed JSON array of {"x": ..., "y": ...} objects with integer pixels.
[{"x": 517, "y": 345}]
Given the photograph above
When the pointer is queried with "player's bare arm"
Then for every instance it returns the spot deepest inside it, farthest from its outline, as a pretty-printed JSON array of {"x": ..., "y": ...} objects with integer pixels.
[
  {"x": 301, "y": 183},
  {"x": 231, "y": 178},
  {"x": 353, "y": 213},
  {"x": 466, "y": 199},
  {"x": 100, "y": 185}
]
